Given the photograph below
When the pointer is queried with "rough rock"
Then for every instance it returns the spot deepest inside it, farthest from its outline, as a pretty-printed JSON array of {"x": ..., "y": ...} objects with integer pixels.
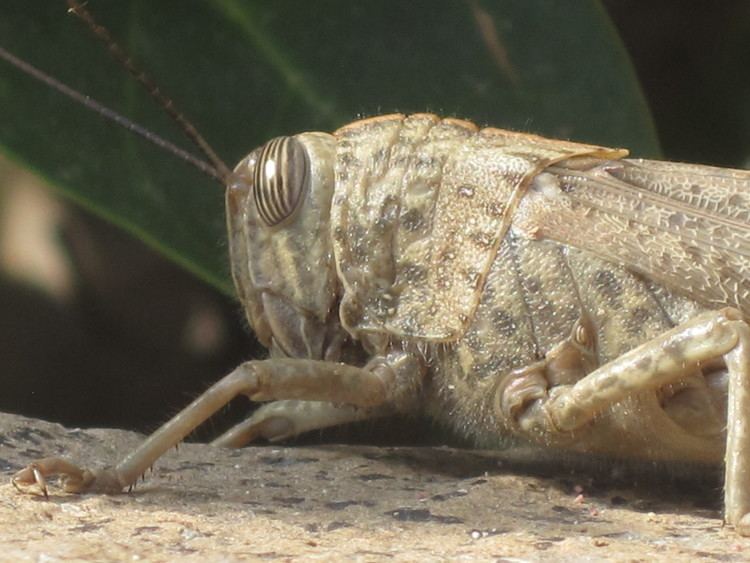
[{"x": 354, "y": 502}]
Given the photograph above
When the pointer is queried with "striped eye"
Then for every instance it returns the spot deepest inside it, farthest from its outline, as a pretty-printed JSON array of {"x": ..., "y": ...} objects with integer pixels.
[{"x": 281, "y": 177}]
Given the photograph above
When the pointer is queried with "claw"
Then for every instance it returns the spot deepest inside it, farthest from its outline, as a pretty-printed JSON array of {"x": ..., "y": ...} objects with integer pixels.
[
  {"x": 40, "y": 480},
  {"x": 73, "y": 478},
  {"x": 29, "y": 476}
]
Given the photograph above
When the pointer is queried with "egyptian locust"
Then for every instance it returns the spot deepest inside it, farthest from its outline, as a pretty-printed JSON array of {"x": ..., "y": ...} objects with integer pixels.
[{"x": 509, "y": 285}]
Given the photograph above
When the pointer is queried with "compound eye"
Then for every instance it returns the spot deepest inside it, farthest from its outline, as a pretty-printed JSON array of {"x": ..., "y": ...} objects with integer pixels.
[{"x": 281, "y": 175}]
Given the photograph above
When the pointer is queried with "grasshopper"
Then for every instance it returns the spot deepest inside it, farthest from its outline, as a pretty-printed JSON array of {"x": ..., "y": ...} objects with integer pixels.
[{"x": 511, "y": 286}]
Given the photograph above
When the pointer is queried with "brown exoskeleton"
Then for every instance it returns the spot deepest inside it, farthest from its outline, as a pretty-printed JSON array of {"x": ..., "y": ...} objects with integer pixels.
[{"x": 506, "y": 284}]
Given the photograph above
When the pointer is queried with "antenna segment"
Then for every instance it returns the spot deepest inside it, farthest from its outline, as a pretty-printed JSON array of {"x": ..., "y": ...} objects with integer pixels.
[
  {"x": 111, "y": 115},
  {"x": 100, "y": 32}
]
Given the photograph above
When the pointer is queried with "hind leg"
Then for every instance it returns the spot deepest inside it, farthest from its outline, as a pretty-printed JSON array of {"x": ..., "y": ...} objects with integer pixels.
[{"x": 662, "y": 361}]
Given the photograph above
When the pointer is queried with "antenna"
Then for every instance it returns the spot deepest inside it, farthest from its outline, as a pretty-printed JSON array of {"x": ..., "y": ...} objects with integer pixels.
[
  {"x": 101, "y": 33},
  {"x": 111, "y": 115}
]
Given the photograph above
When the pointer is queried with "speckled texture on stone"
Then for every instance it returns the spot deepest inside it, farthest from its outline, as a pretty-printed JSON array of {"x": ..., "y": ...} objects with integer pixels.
[{"x": 355, "y": 502}]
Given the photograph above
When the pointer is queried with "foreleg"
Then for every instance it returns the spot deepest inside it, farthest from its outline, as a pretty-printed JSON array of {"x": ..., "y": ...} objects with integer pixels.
[{"x": 393, "y": 381}]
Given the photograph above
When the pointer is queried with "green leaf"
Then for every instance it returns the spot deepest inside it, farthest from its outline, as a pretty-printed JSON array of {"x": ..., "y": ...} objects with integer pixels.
[{"x": 246, "y": 71}]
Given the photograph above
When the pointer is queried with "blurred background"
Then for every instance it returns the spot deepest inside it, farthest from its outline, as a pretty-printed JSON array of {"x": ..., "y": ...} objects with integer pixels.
[{"x": 78, "y": 296}]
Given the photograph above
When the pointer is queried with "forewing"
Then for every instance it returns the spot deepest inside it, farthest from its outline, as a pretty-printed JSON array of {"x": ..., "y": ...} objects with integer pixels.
[{"x": 685, "y": 226}]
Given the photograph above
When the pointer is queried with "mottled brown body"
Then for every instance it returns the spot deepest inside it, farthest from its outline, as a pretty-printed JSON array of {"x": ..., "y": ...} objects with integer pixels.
[
  {"x": 398, "y": 229},
  {"x": 510, "y": 286}
]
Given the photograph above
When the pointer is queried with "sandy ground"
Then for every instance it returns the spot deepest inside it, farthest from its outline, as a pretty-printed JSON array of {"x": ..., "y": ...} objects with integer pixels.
[{"x": 353, "y": 502}]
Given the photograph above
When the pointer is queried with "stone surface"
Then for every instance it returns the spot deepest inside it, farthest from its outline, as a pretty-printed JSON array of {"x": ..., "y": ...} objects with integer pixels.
[{"x": 366, "y": 503}]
